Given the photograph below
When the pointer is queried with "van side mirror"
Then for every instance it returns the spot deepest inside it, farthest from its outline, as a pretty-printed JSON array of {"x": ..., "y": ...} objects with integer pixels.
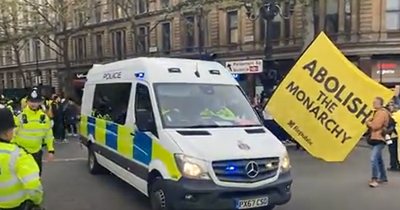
[{"x": 144, "y": 120}]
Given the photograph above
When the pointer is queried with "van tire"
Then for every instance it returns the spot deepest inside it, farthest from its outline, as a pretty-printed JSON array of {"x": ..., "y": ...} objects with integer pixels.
[
  {"x": 158, "y": 196},
  {"x": 94, "y": 166}
]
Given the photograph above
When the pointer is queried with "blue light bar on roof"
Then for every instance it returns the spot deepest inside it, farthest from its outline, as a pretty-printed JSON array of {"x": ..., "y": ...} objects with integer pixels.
[{"x": 139, "y": 75}]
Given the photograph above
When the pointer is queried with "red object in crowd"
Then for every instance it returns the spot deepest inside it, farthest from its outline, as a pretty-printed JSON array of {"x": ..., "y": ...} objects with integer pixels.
[{"x": 78, "y": 83}]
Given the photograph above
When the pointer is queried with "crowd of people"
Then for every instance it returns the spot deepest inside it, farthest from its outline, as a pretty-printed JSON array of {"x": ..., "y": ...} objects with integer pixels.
[{"x": 29, "y": 127}]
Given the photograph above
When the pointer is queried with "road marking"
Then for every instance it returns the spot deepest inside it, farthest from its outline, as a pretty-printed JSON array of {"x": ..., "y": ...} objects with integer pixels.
[{"x": 67, "y": 160}]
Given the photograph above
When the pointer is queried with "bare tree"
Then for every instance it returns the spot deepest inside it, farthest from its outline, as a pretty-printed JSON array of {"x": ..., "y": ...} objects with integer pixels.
[
  {"x": 58, "y": 22},
  {"x": 13, "y": 34},
  {"x": 134, "y": 10}
]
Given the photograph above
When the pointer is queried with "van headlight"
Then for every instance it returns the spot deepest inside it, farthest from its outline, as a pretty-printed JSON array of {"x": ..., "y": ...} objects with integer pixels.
[
  {"x": 285, "y": 163},
  {"x": 191, "y": 167}
]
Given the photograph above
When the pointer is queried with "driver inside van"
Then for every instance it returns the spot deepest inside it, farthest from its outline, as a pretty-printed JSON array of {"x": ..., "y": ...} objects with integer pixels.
[
  {"x": 218, "y": 109},
  {"x": 169, "y": 110}
]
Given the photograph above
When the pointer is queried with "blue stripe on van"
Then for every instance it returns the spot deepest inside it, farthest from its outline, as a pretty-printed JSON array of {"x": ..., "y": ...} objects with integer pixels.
[
  {"x": 91, "y": 126},
  {"x": 142, "y": 148},
  {"x": 112, "y": 135}
]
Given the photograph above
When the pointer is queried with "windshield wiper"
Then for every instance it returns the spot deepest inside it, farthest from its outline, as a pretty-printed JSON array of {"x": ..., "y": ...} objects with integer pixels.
[
  {"x": 203, "y": 126},
  {"x": 222, "y": 126}
]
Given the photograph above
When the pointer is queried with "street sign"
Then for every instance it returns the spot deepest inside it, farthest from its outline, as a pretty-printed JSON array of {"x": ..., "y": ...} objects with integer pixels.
[{"x": 245, "y": 66}]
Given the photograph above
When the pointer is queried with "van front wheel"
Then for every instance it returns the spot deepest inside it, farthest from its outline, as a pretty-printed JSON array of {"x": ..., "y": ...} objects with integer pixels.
[
  {"x": 158, "y": 196},
  {"x": 94, "y": 166}
]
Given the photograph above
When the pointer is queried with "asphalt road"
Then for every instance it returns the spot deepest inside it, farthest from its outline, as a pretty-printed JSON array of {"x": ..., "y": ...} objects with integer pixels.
[{"x": 317, "y": 185}]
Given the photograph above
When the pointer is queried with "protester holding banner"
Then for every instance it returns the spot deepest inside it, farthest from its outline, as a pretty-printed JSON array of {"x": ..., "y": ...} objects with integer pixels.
[
  {"x": 324, "y": 102},
  {"x": 377, "y": 125}
]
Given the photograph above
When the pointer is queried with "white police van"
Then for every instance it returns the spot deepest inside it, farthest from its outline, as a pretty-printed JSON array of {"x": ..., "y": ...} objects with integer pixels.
[{"x": 183, "y": 133}]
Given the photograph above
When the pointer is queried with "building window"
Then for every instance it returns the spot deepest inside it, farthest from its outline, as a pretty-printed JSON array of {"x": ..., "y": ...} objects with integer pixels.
[
  {"x": 99, "y": 45},
  {"x": 143, "y": 39},
  {"x": 37, "y": 49},
  {"x": 166, "y": 37},
  {"x": 392, "y": 15},
  {"x": 316, "y": 17},
  {"x": 10, "y": 80},
  {"x": 46, "y": 42},
  {"x": 165, "y": 3},
  {"x": 1, "y": 56},
  {"x": 233, "y": 27},
  {"x": 2, "y": 80},
  {"x": 332, "y": 18},
  {"x": 117, "y": 9},
  {"x": 347, "y": 18},
  {"x": 98, "y": 12},
  {"x": 143, "y": 6},
  {"x": 79, "y": 47},
  {"x": 80, "y": 18},
  {"x": 189, "y": 33},
  {"x": 27, "y": 51},
  {"x": 8, "y": 56},
  {"x": 119, "y": 44},
  {"x": 61, "y": 43},
  {"x": 286, "y": 24},
  {"x": 276, "y": 27}
]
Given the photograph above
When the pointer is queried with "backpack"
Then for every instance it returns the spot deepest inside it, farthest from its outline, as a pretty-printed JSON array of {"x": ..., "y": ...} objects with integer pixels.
[{"x": 391, "y": 127}]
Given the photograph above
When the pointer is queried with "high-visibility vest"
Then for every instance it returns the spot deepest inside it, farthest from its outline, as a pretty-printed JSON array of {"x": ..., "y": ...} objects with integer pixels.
[
  {"x": 23, "y": 103},
  {"x": 33, "y": 127},
  {"x": 19, "y": 177},
  {"x": 224, "y": 113}
]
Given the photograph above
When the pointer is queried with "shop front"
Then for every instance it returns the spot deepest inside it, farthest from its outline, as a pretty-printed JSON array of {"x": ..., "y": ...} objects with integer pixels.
[{"x": 386, "y": 72}]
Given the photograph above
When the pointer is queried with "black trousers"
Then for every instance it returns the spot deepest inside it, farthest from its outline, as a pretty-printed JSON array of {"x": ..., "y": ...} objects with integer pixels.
[
  {"x": 38, "y": 158},
  {"x": 59, "y": 129},
  {"x": 394, "y": 155},
  {"x": 71, "y": 127},
  {"x": 27, "y": 205}
]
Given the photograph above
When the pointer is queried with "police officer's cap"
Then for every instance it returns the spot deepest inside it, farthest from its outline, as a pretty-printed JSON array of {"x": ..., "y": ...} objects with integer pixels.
[
  {"x": 7, "y": 119},
  {"x": 34, "y": 96}
]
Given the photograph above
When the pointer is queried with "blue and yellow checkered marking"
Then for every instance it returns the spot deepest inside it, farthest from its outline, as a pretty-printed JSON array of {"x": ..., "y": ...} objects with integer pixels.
[{"x": 139, "y": 147}]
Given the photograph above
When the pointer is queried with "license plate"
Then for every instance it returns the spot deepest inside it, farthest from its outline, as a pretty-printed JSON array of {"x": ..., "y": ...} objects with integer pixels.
[{"x": 252, "y": 203}]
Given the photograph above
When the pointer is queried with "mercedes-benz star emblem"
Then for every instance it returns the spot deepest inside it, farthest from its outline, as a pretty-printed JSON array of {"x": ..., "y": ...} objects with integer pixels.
[{"x": 252, "y": 169}]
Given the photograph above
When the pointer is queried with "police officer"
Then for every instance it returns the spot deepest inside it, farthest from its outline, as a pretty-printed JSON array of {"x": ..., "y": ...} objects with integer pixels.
[
  {"x": 19, "y": 174},
  {"x": 34, "y": 129},
  {"x": 3, "y": 100}
]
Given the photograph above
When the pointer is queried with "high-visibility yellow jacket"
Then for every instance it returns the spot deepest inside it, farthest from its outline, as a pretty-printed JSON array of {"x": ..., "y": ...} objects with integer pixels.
[
  {"x": 19, "y": 177},
  {"x": 223, "y": 113},
  {"x": 23, "y": 103},
  {"x": 33, "y": 127}
]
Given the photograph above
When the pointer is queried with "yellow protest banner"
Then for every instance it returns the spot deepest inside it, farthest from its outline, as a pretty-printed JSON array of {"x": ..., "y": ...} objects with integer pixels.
[{"x": 324, "y": 101}]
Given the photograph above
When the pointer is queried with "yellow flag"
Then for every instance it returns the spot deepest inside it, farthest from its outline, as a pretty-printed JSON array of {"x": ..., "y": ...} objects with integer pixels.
[{"x": 324, "y": 101}]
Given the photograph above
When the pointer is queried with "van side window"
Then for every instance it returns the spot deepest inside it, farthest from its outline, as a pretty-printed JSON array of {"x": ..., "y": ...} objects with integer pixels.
[
  {"x": 142, "y": 100},
  {"x": 143, "y": 109},
  {"x": 111, "y": 102}
]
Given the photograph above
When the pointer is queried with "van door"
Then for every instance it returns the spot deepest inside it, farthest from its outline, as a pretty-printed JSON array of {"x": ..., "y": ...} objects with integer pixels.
[{"x": 146, "y": 129}]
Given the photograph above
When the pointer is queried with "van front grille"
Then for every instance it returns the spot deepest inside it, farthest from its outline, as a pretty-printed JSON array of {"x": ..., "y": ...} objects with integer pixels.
[{"x": 246, "y": 170}]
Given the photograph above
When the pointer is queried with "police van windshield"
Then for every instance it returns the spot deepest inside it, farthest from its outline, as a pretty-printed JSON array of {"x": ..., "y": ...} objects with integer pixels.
[{"x": 185, "y": 105}]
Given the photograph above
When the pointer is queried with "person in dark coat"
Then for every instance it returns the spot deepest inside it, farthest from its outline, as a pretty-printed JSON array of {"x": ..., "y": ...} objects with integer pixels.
[
  {"x": 71, "y": 118},
  {"x": 57, "y": 113}
]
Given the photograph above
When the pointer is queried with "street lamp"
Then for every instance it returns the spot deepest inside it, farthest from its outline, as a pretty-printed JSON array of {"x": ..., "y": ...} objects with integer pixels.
[{"x": 268, "y": 10}]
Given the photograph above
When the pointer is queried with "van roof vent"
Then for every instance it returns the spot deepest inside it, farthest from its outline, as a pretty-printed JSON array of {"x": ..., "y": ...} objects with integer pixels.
[
  {"x": 174, "y": 70},
  {"x": 215, "y": 72}
]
